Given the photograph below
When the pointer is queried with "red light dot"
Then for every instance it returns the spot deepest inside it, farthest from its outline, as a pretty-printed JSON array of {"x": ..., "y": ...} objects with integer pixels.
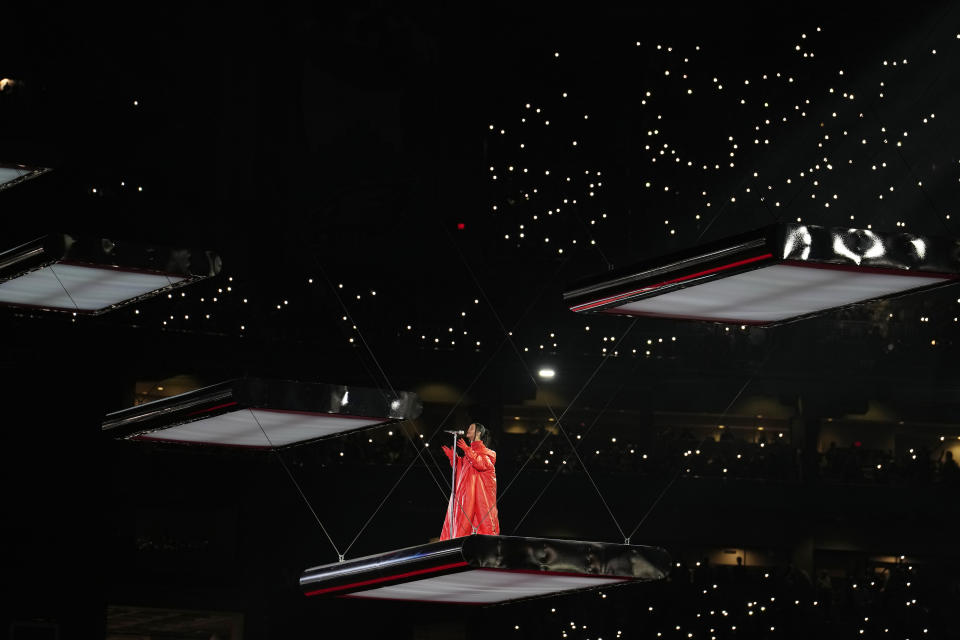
[{"x": 460, "y": 226}]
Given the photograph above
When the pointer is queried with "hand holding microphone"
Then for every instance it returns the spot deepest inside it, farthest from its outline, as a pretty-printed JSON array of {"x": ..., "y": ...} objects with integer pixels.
[{"x": 456, "y": 432}]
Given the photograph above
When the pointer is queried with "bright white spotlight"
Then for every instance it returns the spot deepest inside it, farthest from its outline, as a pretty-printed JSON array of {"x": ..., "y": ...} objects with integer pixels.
[{"x": 546, "y": 373}]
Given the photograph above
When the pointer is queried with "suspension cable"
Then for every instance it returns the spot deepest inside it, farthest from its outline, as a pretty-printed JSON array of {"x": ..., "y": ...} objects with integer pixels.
[
  {"x": 418, "y": 450},
  {"x": 559, "y": 468},
  {"x": 516, "y": 350},
  {"x": 453, "y": 409},
  {"x": 75, "y": 305},
  {"x": 721, "y": 211},
  {"x": 593, "y": 241},
  {"x": 933, "y": 205},
  {"x": 297, "y": 485},
  {"x": 702, "y": 440}
]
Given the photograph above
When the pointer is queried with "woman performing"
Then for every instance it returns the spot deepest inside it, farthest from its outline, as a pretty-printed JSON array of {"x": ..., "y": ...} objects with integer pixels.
[{"x": 474, "y": 505}]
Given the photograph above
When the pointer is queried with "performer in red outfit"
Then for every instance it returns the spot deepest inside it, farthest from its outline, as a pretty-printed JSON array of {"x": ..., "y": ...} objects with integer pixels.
[{"x": 474, "y": 506}]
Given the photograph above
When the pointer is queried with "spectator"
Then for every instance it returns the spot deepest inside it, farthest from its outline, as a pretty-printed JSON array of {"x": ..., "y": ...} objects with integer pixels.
[{"x": 949, "y": 472}]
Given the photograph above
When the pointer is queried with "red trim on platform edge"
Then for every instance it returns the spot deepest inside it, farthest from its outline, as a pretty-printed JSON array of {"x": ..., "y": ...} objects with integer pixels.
[
  {"x": 209, "y": 409},
  {"x": 590, "y": 305},
  {"x": 612, "y": 579},
  {"x": 386, "y": 578}
]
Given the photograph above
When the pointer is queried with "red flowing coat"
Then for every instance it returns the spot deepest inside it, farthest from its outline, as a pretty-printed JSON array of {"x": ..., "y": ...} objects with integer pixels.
[{"x": 475, "y": 503}]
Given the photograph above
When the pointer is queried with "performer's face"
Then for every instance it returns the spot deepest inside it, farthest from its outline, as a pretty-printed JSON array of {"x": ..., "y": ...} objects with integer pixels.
[{"x": 471, "y": 432}]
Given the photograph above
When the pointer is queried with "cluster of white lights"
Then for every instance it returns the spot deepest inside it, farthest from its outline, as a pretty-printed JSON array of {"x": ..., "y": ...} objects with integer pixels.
[
  {"x": 543, "y": 187},
  {"x": 201, "y": 314},
  {"x": 353, "y": 298},
  {"x": 760, "y": 106},
  {"x": 447, "y": 337},
  {"x": 711, "y": 620},
  {"x": 616, "y": 452},
  {"x": 551, "y": 190}
]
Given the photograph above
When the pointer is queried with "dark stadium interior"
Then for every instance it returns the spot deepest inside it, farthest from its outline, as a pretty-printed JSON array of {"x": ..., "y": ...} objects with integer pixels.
[{"x": 400, "y": 196}]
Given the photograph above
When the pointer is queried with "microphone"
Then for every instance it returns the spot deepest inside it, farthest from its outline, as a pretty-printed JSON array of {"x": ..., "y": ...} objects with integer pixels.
[{"x": 456, "y": 433}]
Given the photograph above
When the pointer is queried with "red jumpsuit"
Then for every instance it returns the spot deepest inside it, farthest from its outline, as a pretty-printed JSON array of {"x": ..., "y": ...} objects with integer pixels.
[{"x": 476, "y": 495}]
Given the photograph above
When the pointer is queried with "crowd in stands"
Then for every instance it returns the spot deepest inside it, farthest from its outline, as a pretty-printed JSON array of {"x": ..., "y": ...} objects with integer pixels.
[
  {"x": 770, "y": 459},
  {"x": 698, "y": 600},
  {"x": 917, "y": 466}
]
